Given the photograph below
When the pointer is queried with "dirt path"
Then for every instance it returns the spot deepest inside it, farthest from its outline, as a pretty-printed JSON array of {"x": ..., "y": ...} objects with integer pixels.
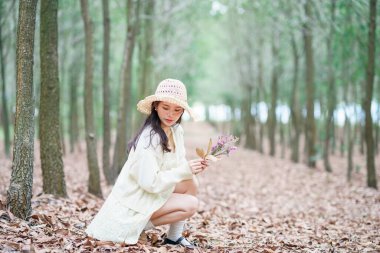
[{"x": 249, "y": 202}]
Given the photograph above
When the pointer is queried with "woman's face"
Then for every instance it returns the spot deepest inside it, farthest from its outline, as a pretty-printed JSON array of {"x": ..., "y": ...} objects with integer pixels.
[{"x": 168, "y": 113}]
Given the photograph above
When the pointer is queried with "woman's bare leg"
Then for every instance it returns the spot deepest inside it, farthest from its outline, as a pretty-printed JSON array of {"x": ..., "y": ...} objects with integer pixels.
[
  {"x": 178, "y": 207},
  {"x": 186, "y": 187}
]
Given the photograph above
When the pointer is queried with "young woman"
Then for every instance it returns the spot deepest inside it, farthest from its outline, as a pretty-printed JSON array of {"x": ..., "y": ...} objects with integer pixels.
[{"x": 155, "y": 186}]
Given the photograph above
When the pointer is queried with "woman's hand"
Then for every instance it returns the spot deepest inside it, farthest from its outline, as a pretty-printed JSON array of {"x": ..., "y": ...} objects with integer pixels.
[{"x": 198, "y": 165}]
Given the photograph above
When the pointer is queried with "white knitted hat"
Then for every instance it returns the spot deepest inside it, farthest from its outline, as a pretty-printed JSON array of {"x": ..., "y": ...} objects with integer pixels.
[{"x": 171, "y": 91}]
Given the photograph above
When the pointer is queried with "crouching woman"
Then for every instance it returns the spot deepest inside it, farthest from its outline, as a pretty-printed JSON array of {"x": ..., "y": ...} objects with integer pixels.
[{"x": 155, "y": 186}]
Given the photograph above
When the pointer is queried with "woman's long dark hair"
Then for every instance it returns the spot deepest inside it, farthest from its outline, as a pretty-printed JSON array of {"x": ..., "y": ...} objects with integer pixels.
[{"x": 154, "y": 121}]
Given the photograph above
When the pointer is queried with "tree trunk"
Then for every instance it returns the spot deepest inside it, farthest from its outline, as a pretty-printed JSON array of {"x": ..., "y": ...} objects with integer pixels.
[
  {"x": 73, "y": 108},
  {"x": 331, "y": 91},
  {"x": 310, "y": 121},
  {"x": 120, "y": 154},
  {"x": 50, "y": 140},
  {"x": 371, "y": 172},
  {"x": 20, "y": 190},
  {"x": 92, "y": 159},
  {"x": 146, "y": 54},
  {"x": 258, "y": 144},
  {"x": 377, "y": 128},
  {"x": 342, "y": 142},
  {"x": 294, "y": 105},
  {"x": 349, "y": 149},
  {"x": 260, "y": 96},
  {"x": 362, "y": 139},
  {"x": 347, "y": 135},
  {"x": 4, "y": 107},
  {"x": 333, "y": 138},
  {"x": 282, "y": 139},
  {"x": 274, "y": 91},
  {"x": 107, "y": 170},
  {"x": 351, "y": 138},
  {"x": 249, "y": 120}
]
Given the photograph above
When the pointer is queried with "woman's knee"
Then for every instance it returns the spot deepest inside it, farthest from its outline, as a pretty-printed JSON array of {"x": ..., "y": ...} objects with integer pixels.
[
  {"x": 187, "y": 187},
  {"x": 191, "y": 205},
  {"x": 192, "y": 190}
]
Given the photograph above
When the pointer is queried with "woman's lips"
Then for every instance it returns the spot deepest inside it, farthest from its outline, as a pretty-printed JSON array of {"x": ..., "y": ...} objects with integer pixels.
[{"x": 169, "y": 120}]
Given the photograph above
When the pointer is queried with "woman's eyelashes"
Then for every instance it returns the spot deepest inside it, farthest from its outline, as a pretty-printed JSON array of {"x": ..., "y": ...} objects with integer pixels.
[{"x": 176, "y": 111}]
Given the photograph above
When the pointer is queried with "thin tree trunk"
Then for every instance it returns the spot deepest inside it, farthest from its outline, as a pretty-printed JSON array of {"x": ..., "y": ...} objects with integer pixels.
[
  {"x": 73, "y": 108},
  {"x": 146, "y": 54},
  {"x": 342, "y": 142},
  {"x": 120, "y": 153},
  {"x": 258, "y": 125},
  {"x": 371, "y": 172},
  {"x": 92, "y": 159},
  {"x": 310, "y": 121},
  {"x": 347, "y": 135},
  {"x": 333, "y": 138},
  {"x": 4, "y": 107},
  {"x": 351, "y": 139},
  {"x": 294, "y": 105},
  {"x": 274, "y": 91},
  {"x": 377, "y": 128},
  {"x": 50, "y": 145},
  {"x": 362, "y": 140},
  {"x": 107, "y": 170},
  {"x": 377, "y": 133},
  {"x": 349, "y": 149},
  {"x": 249, "y": 120},
  {"x": 19, "y": 194},
  {"x": 260, "y": 96},
  {"x": 331, "y": 92},
  {"x": 282, "y": 139}
]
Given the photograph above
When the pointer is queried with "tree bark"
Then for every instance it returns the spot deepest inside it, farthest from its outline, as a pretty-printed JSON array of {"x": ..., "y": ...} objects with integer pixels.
[
  {"x": 351, "y": 138},
  {"x": 107, "y": 170},
  {"x": 371, "y": 172},
  {"x": 19, "y": 193},
  {"x": 377, "y": 128},
  {"x": 274, "y": 90},
  {"x": 282, "y": 139},
  {"x": 260, "y": 96},
  {"x": 350, "y": 163},
  {"x": 249, "y": 123},
  {"x": 331, "y": 97},
  {"x": 310, "y": 121},
  {"x": 120, "y": 154},
  {"x": 73, "y": 108},
  {"x": 4, "y": 107},
  {"x": 92, "y": 159},
  {"x": 347, "y": 134},
  {"x": 50, "y": 140},
  {"x": 146, "y": 52},
  {"x": 294, "y": 105}
]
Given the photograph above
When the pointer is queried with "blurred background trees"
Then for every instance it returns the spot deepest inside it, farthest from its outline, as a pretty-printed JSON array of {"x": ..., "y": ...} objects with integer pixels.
[{"x": 296, "y": 79}]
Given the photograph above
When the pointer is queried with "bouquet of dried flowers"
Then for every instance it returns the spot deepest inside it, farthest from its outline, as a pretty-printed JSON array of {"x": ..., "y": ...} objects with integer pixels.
[{"x": 224, "y": 146}]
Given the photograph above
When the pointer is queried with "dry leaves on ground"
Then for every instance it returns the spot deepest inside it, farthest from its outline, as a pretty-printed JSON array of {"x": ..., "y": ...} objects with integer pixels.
[{"x": 249, "y": 202}]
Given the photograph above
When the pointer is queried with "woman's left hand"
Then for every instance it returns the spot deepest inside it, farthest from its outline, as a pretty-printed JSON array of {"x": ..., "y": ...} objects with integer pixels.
[{"x": 198, "y": 165}]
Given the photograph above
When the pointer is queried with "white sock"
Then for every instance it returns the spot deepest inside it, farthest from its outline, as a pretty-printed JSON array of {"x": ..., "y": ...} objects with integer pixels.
[
  {"x": 175, "y": 232},
  {"x": 149, "y": 225}
]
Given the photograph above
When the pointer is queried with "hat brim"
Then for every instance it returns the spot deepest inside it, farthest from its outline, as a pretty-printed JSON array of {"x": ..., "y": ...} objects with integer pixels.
[{"x": 145, "y": 105}]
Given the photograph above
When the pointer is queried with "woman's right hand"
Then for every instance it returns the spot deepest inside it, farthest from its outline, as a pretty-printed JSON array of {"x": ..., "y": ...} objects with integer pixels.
[{"x": 198, "y": 165}]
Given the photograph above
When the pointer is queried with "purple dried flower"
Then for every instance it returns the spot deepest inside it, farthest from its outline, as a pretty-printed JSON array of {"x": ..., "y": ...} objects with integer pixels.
[{"x": 224, "y": 145}]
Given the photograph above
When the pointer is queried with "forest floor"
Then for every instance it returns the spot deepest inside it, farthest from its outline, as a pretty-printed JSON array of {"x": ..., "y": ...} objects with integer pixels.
[{"x": 249, "y": 202}]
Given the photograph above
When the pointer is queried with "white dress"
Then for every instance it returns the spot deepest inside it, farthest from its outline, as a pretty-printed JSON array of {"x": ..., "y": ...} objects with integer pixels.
[{"x": 145, "y": 183}]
